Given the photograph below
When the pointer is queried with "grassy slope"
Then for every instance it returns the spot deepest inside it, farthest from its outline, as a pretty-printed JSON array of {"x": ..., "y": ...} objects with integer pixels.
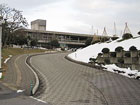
[{"x": 17, "y": 51}]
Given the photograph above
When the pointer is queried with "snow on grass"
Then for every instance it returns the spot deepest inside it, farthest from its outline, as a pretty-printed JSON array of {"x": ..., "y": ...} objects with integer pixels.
[
  {"x": 0, "y": 75},
  {"x": 123, "y": 71},
  {"x": 93, "y": 50},
  {"x": 20, "y": 91},
  {"x": 6, "y": 60}
]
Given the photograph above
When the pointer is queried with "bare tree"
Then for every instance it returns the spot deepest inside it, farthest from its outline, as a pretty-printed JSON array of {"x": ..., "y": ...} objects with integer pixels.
[{"x": 14, "y": 20}]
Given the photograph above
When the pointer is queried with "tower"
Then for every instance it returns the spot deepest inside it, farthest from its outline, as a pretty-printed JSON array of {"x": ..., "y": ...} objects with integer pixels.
[
  {"x": 126, "y": 30},
  {"x": 104, "y": 32},
  {"x": 38, "y": 24}
]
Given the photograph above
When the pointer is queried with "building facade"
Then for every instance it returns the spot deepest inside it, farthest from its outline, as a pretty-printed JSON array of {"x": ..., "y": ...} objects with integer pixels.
[
  {"x": 65, "y": 39},
  {"x": 38, "y": 24},
  {"x": 72, "y": 40}
]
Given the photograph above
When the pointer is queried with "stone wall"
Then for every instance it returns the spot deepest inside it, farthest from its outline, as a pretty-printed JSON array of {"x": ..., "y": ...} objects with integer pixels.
[{"x": 121, "y": 59}]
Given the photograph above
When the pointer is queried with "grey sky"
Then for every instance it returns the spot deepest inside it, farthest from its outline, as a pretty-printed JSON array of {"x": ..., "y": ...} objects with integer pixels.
[{"x": 80, "y": 15}]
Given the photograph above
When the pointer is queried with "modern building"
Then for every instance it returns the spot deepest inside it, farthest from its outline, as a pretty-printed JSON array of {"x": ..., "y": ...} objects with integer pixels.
[
  {"x": 38, "y": 24},
  {"x": 66, "y": 39}
]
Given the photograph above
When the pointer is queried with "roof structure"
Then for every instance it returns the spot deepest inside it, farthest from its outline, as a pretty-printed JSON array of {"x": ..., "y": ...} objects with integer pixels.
[
  {"x": 104, "y": 32},
  {"x": 126, "y": 30}
]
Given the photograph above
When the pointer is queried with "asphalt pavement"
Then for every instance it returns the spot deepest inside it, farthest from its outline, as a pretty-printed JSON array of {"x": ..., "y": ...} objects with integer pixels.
[
  {"x": 18, "y": 77},
  {"x": 68, "y": 83}
]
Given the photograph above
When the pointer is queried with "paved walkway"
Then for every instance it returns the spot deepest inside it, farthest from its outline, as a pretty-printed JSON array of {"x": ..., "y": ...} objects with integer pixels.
[
  {"x": 18, "y": 76},
  {"x": 73, "y": 84},
  {"x": 10, "y": 97}
]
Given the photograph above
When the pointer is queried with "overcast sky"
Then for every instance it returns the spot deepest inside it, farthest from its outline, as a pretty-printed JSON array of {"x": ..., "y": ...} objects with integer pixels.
[{"x": 79, "y": 16}]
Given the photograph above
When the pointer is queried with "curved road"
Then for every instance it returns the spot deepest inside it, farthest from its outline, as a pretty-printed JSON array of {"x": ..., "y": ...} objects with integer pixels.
[
  {"x": 18, "y": 76},
  {"x": 73, "y": 84}
]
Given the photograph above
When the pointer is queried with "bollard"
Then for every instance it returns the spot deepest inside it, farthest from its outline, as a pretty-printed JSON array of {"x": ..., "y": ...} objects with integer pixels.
[{"x": 31, "y": 89}]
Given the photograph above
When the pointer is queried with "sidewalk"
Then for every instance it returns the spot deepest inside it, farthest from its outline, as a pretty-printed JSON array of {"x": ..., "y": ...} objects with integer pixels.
[{"x": 9, "y": 87}]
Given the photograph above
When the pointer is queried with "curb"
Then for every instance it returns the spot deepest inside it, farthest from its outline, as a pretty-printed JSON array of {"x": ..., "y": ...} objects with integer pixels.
[
  {"x": 27, "y": 62},
  {"x": 83, "y": 63}
]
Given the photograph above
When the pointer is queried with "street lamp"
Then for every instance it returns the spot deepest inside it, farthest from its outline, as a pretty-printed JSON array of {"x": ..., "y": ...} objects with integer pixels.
[{"x": 1, "y": 22}]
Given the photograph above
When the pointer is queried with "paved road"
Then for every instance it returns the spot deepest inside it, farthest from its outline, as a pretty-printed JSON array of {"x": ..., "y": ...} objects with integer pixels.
[
  {"x": 18, "y": 76},
  {"x": 10, "y": 97},
  {"x": 73, "y": 84}
]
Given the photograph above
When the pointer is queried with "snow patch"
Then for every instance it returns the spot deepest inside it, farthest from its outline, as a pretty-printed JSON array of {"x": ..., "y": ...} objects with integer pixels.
[
  {"x": 0, "y": 75},
  {"x": 122, "y": 71},
  {"x": 6, "y": 60},
  {"x": 20, "y": 91}
]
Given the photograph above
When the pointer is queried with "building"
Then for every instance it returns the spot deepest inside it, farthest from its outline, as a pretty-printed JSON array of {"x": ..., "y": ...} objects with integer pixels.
[
  {"x": 38, "y": 24},
  {"x": 66, "y": 39}
]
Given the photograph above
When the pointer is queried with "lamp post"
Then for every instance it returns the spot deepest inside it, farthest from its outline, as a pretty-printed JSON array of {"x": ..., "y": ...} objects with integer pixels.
[{"x": 1, "y": 22}]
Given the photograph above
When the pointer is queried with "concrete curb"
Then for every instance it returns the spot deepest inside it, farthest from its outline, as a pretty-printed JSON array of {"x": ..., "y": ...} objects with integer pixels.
[
  {"x": 83, "y": 63},
  {"x": 27, "y": 62}
]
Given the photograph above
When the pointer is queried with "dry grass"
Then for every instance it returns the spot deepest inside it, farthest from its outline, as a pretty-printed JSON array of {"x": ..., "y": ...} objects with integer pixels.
[{"x": 17, "y": 51}]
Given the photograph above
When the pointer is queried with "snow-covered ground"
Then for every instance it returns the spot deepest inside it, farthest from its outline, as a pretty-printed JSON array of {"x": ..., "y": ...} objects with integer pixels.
[
  {"x": 0, "y": 75},
  {"x": 92, "y": 51},
  {"x": 122, "y": 71},
  {"x": 20, "y": 91},
  {"x": 6, "y": 60}
]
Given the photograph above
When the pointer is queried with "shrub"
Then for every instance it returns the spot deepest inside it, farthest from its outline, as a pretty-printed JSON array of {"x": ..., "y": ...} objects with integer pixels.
[
  {"x": 139, "y": 32},
  {"x": 88, "y": 41},
  {"x": 107, "y": 61},
  {"x": 54, "y": 43},
  {"x": 127, "y": 54},
  {"x": 121, "y": 60},
  {"x": 104, "y": 39},
  {"x": 105, "y": 50},
  {"x": 100, "y": 54},
  {"x": 63, "y": 49},
  {"x": 114, "y": 38},
  {"x": 113, "y": 54},
  {"x": 119, "y": 49},
  {"x": 95, "y": 41},
  {"x": 127, "y": 36},
  {"x": 132, "y": 48},
  {"x": 92, "y": 60}
]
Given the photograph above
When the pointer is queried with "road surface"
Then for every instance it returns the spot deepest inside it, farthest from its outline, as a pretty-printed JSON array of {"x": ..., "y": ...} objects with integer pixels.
[
  {"x": 18, "y": 76},
  {"x": 68, "y": 83}
]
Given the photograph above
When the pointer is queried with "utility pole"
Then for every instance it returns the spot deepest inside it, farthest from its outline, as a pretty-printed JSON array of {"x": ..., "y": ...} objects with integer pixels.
[
  {"x": 1, "y": 22},
  {"x": 0, "y": 41}
]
